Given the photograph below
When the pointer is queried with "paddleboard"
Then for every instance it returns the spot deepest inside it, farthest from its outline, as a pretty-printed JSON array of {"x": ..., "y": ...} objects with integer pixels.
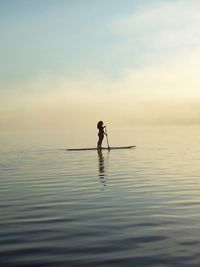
[{"x": 103, "y": 148}]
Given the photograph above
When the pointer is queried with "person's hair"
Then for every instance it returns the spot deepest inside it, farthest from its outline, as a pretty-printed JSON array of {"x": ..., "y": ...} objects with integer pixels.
[{"x": 99, "y": 124}]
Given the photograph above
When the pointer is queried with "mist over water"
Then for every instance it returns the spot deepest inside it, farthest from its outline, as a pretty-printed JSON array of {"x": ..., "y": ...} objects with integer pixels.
[
  {"x": 152, "y": 95},
  {"x": 134, "y": 207}
]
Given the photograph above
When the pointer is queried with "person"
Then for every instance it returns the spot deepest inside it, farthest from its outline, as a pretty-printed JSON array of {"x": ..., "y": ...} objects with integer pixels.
[{"x": 101, "y": 133}]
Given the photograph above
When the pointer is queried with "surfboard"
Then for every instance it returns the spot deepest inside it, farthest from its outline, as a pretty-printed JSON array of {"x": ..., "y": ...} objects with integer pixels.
[{"x": 103, "y": 148}]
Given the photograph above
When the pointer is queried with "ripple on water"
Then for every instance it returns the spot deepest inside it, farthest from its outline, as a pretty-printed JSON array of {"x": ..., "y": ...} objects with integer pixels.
[{"x": 119, "y": 209}]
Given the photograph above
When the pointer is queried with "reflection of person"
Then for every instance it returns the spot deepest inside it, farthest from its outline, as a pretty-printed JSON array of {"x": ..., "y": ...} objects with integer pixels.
[
  {"x": 101, "y": 163},
  {"x": 101, "y": 167},
  {"x": 101, "y": 133}
]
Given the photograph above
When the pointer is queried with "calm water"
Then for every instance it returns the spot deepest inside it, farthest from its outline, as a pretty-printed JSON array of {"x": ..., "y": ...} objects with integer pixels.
[{"x": 137, "y": 207}]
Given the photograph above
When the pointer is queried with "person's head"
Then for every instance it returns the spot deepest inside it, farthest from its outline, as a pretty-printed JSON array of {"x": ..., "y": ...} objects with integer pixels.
[{"x": 99, "y": 124}]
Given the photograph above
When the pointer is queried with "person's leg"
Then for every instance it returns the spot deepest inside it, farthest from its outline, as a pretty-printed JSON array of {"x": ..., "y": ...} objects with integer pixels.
[
  {"x": 100, "y": 141},
  {"x": 98, "y": 144}
]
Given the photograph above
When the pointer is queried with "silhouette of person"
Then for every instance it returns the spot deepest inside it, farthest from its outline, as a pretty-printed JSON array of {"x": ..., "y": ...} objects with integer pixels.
[{"x": 101, "y": 133}]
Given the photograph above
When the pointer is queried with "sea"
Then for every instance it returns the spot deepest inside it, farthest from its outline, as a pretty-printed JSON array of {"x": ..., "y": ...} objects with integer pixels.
[{"x": 133, "y": 207}]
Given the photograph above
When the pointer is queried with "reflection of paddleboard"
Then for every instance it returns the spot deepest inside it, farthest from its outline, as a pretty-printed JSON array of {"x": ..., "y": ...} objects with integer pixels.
[{"x": 103, "y": 148}]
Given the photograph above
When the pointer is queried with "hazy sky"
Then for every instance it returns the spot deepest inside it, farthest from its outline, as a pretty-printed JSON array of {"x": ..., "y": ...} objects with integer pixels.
[{"x": 70, "y": 63}]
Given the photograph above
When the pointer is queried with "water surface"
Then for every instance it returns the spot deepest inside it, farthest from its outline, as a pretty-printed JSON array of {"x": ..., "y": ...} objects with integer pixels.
[{"x": 138, "y": 207}]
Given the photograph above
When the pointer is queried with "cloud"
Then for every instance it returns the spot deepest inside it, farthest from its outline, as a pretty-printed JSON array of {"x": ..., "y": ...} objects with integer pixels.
[
  {"x": 154, "y": 94},
  {"x": 170, "y": 24}
]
